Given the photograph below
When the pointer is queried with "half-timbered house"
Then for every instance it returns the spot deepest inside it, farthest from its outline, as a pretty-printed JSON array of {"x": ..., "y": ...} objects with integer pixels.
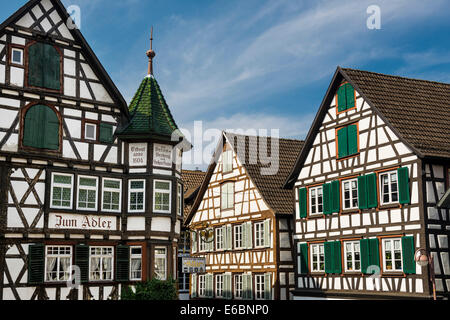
[
  {"x": 84, "y": 180},
  {"x": 242, "y": 204},
  {"x": 374, "y": 165}
]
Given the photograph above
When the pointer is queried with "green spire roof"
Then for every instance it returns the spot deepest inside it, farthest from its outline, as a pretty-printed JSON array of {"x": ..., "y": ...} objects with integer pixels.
[{"x": 149, "y": 112}]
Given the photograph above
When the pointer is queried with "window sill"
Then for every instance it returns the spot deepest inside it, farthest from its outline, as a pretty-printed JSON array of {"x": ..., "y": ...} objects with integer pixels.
[
  {"x": 390, "y": 274},
  {"x": 351, "y": 211},
  {"x": 348, "y": 157},
  {"x": 389, "y": 206}
]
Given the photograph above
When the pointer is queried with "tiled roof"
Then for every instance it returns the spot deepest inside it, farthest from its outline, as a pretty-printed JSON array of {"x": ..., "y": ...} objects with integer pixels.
[
  {"x": 192, "y": 181},
  {"x": 270, "y": 185},
  {"x": 149, "y": 112},
  {"x": 418, "y": 109}
]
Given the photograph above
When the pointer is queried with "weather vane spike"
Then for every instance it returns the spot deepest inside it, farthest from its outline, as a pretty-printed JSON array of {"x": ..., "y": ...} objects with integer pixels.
[{"x": 151, "y": 54}]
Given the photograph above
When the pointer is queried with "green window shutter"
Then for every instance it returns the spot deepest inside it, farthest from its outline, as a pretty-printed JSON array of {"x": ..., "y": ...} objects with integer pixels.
[
  {"x": 403, "y": 185},
  {"x": 342, "y": 137},
  {"x": 337, "y": 264},
  {"x": 82, "y": 261},
  {"x": 409, "y": 265},
  {"x": 374, "y": 252},
  {"x": 267, "y": 286},
  {"x": 227, "y": 286},
  {"x": 342, "y": 101},
  {"x": 123, "y": 263},
  {"x": 365, "y": 254},
  {"x": 335, "y": 197},
  {"x": 249, "y": 286},
  {"x": 350, "y": 95},
  {"x": 229, "y": 238},
  {"x": 249, "y": 237},
  {"x": 36, "y": 264},
  {"x": 52, "y": 68},
  {"x": 329, "y": 249},
  {"x": 352, "y": 132},
  {"x": 303, "y": 204},
  {"x": 362, "y": 192},
  {"x": 326, "y": 188},
  {"x": 31, "y": 130},
  {"x": 372, "y": 200},
  {"x": 106, "y": 133},
  {"x": 267, "y": 233},
  {"x": 303, "y": 258},
  {"x": 51, "y": 130},
  {"x": 36, "y": 65},
  {"x": 193, "y": 285}
]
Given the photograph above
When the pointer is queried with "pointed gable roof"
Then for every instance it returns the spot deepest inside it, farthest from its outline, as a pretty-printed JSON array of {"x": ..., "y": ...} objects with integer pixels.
[
  {"x": 415, "y": 110},
  {"x": 150, "y": 114},
  {"x": 79, "y": 39},
  {"x": 270, "y": 186}
]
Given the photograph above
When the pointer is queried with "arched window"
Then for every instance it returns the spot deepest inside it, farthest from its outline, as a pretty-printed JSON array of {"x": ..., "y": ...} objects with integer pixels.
[
  {"x": 41, "y": 128},
  {"x": 44, "y": 66}
]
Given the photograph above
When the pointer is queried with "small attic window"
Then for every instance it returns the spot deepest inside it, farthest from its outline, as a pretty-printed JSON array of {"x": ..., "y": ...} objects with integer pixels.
[
  {"x": 346, "y": 98},
  {"x": 17, "y": 56}
]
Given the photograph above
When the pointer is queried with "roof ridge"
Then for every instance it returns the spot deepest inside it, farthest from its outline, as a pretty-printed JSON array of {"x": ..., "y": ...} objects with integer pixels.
[{"x": 395, "y": 76}]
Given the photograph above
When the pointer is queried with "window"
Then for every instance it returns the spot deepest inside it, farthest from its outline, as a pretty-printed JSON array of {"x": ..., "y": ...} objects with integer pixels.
[
  {"x": 317, "y": 257},
  {"x": 112, "y": 191},
  {"x": 135, "y": 263},
  {"x": 259, "y": 234},
  {"x": 347, "y": 141},
  {"x": 389, "y": 187},
  {"x": 17, "y": 56},
  {"x": 392, "y": 253},
  {"x": 87, "y": 193},
  {"x": 260, "y": 287},
  {"x": 203, "y": 244},
  {"x": 227, "y": 196},
  {"x": 202, "y": 285},
  {"x": 219, "y": 239},
  {"x": 41, "y": 128},
  {"x": 90, "y": 131},
  {"x": 238, "y": 285},
  {"x": 62, "y": 185},
  {"x": 352, "y": 256},
  {"x": 101, "y": 263},
  {"x": 238, "y": 241},
  {"x": 44, "y": 66},
  {"x": 161, "y": 263},
  {"x": 219, "y": 286},
  {"x": 346, "y": 97},
  {"x": 180, "y": 200},
  {"x": 136, "y": 196},
  {"x": 162, "y": 196},
  {"x": 58, "y": 260},
  {"x": 227, "y": 161},
  {"x": 350, "y": 194},
  {"x": 106, "y": 133},
  {"x": 316, "y": 200}
]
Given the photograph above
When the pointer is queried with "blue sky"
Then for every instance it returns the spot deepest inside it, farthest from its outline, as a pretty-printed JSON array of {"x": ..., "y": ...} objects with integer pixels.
[{"x": 259, "y": 63}]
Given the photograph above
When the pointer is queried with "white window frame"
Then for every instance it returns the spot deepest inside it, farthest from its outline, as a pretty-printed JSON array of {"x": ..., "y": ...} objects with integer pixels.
[
  {"x": 259, "y": 234},
  {"x": 180, "y": 200},
  {"x": 87, "y": 188},
  {"x": 169, "y": 192},
  {"x": 61, "y": 185},
  {"x": 105, "y": 189},
  {"x": 392, "y": 240},
  {"x": 238, "y": 236},
  {"x": 353, "y": 252},
  {"x": 350, "y": 181},
  {"x": 227, "y": 193},
  {"x": 220, "y": 238},
  {"x": 202, "y": 285},
  {"x": 135, "y": 256},
  {"x": 159, "y": 256},
  {"x": 203, "y": 245},
  {"x": 58, "y": 256},
  {"x": 227, "y": 161},
  {"x": 219, "y": 286},
  {"x": 136, "y": 191},
  {"x": 86, "y": 124},
  {"x": 260, "y": 287},
  {"x": 101, "y": 256},
  {"x": 238, "y": 287},
  {"x": 317, "y": 203},
  {"x": 390, "y": 192},
  {"x": 321, "y": 247},
  {"x": 21, "y": 56}
]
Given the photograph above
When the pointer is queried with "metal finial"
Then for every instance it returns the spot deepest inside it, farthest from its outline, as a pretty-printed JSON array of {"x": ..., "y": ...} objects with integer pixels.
[{"x": 151, "y": 54}]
